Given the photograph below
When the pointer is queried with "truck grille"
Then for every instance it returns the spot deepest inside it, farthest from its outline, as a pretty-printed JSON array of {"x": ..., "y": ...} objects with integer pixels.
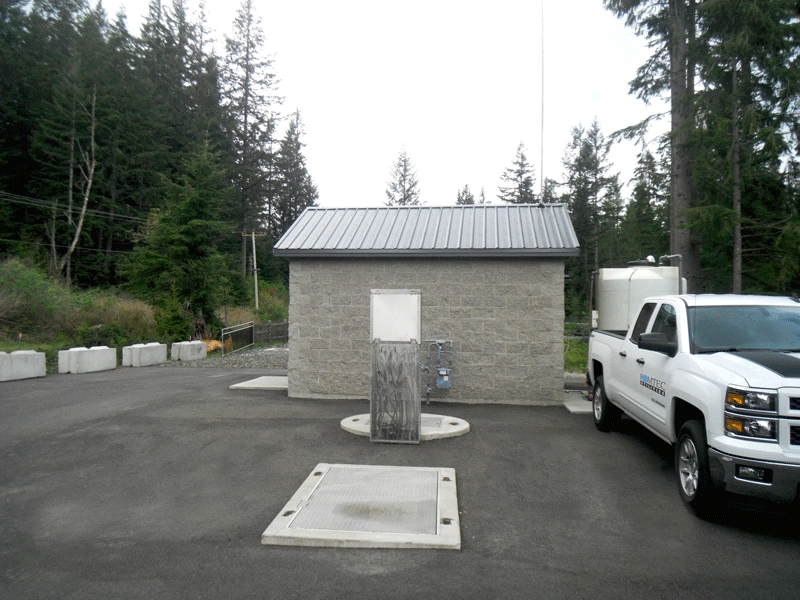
[
  {"x": 794, "y": 436},
  {"x": 794, "y": 403}
]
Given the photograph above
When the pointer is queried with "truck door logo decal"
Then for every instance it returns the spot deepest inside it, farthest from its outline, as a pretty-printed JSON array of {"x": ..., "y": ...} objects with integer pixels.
[{"x": 655, "y": 385}]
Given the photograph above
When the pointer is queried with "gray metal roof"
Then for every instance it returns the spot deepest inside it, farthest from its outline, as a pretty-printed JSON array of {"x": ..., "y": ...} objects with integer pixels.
[{"x": 507, "y": 230}]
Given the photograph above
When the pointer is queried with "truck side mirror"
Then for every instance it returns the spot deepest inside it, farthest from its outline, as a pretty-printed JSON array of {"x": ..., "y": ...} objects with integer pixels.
[{"x": 658, "y": 342}]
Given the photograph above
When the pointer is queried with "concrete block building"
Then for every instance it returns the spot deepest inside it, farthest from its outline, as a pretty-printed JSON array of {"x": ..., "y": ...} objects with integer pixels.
[{"x": 491, "y": 280}]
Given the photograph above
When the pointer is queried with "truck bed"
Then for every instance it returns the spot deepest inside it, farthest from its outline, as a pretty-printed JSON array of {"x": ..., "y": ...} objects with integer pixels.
[{"x": 612, "y": 332}]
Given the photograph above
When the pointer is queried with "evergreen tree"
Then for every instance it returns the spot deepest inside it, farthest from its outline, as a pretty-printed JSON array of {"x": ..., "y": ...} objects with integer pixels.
[
  {"x": 465, "y": 196},
  {"x": 93, "y": 120},
  {"x": 671, "y": 28},
  {"x": 519, "y": 180},
  {"x": 249, "y": 97},
  {"x": 65, "y": 137},
  {"x": 403, "y": 188},
  {"x": 549, "y": 191},
  {"x": 594, "y": 200},
  {"x": 645, "y": 226},
  {"x": 19, "y": 86},
  {"x": 746, "y": 108},
  {"x": 179, "y": 267},
  {"x": 295, "y": 189}
]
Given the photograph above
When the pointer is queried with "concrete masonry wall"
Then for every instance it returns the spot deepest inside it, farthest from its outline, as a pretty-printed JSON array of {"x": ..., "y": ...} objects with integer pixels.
[{"x": 505, "y": 317}]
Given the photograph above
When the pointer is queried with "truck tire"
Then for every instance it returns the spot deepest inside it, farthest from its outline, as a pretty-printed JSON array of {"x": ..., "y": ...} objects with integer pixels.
[
  {"x": 606, "y": 415},
  {"x": 691, "y": 468}
]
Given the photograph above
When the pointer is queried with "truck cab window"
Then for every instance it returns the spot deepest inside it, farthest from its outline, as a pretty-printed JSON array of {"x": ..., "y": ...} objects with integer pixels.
[
  {"x": 666, "y": 323},
  {"x": 642, "y": 320}
]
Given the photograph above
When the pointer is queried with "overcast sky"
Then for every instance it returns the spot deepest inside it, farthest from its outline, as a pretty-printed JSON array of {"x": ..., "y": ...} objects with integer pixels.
[{"x": 456, "y": 83}]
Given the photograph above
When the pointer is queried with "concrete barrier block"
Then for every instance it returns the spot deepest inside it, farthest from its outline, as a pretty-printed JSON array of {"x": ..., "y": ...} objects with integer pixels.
[
  {"x": 189, "y": 350},
  {"x": 143, "y": 355},
  {"x": 193, "y": 350},
  {"x": 87, "y": 360},
  {"x": 67, "y": 359},
  {"x": 127, "y": 355},
  {"x": 22, "y": 364},
  {"x": 152, "y": 354},
  {"x": 63, "y": 361}
]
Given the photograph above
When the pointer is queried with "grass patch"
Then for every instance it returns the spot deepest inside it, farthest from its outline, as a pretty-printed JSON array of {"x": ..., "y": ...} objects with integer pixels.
[{"x": 576, "y": 355}]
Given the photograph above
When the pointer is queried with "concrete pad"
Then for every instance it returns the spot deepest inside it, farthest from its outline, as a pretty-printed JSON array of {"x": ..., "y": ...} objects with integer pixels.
[
  {"x": 22, "y": 364},
  {"x": 263, "y": 383},
  {"x": 432, "y": 427},
  {"x": 358, "y": 506},
  {"x": 577, "y": 403}
]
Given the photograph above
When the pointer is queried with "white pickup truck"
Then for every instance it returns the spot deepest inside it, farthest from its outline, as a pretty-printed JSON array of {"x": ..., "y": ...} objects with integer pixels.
[{"x": 718, "y": 376}]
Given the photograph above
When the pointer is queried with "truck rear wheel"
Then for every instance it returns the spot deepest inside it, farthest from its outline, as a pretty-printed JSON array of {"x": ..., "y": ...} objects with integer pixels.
[
  {"x": 691, "y": 467},
  {"x": 606, "y": 415}
]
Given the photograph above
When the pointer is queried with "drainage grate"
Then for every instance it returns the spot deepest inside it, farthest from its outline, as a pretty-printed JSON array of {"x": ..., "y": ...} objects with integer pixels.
[{"x": 371, "y": 507}]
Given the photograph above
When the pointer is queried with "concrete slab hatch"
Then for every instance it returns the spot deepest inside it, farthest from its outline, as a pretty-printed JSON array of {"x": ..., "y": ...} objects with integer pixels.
[{"x": 360, "y": 506}]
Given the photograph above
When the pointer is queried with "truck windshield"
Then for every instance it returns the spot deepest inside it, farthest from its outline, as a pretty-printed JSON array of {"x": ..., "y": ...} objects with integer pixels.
[{"x": 739, "y": 328}]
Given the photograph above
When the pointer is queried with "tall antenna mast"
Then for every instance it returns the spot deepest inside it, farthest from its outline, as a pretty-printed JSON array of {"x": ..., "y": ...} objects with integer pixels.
[{"x": 541, "y": 155}]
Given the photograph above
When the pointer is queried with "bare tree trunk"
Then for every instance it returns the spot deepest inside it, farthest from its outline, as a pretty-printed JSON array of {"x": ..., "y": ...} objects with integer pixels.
[
  {"x": 51, "y": 235},
  {"x": 681, "y": 97},
  {"x": 86, "y": 166},
  {"x": 737, "y": 188}
]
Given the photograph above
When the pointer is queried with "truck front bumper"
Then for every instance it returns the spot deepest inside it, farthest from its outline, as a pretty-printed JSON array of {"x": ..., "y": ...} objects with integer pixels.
[{"x": 774, "y": 481}]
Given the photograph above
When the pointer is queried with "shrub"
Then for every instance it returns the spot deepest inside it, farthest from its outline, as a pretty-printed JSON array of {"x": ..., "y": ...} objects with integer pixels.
[
  {"x": 173, "y": 323},
  {"x": 110, "y": 334},
  {"x": 273, "y": 300},
  {"x": 233, "y": 315},
  {"x": 29, "y": 300},
  {"x": 39, "y": 307}
]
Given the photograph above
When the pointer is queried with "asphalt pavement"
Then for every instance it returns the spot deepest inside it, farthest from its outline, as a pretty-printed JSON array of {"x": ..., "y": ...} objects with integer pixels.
[{"x": 158, "y": 482}]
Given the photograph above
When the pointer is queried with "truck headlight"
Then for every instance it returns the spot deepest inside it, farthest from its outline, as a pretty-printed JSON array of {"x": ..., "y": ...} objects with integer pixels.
[
  {"x": 762, "y": 429},
  {"x": 763, "y": 401}
]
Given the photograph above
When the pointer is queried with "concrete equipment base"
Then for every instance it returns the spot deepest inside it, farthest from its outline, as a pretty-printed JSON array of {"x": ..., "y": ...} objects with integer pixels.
[
  {"x": 433, "y": 427},
  {"x": 263, "y": 383},
  {"x": 359, "y": 506}
]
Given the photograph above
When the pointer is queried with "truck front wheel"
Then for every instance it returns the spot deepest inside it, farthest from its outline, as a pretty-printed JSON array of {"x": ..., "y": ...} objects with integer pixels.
[
  {"x": 691, "y": 467},
  {"x": 606, "y": 415}
]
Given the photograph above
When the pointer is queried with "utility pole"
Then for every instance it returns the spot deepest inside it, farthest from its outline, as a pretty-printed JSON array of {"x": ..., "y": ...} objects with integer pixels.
[{"x": 253, "y": 235}]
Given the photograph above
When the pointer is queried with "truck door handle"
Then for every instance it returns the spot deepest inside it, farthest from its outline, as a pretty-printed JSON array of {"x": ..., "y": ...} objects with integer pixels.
[
  {"x": 640, "y": 361},
  {"x": 623, "y": 354}
]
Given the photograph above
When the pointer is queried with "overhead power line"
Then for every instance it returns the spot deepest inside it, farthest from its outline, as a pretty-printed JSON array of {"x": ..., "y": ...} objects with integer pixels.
[
  {"x": 49, "y": 205},
  {"x": 62, "y": 246}
]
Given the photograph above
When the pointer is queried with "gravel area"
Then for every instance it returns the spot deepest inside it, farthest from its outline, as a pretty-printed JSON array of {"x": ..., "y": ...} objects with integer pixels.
[{"x": 257, "y": 358}]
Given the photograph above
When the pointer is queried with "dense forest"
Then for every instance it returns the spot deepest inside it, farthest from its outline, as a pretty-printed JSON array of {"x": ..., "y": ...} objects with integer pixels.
[
  {"x": 144, "y": 162},
  {"x": 722, "y": 188}
]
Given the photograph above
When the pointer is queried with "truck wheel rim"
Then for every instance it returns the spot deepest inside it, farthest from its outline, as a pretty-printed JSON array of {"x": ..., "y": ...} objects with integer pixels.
[
  {"x": 688, "y": 470},
  {"x": 597, "y": 403}
]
